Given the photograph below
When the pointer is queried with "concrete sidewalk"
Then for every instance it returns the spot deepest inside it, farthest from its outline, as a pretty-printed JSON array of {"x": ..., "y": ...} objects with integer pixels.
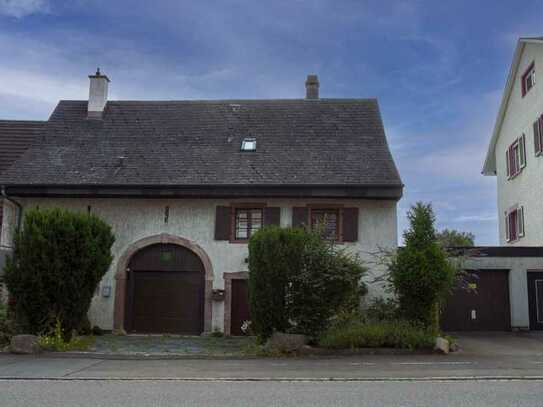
[{"x": 482, "y": 356}]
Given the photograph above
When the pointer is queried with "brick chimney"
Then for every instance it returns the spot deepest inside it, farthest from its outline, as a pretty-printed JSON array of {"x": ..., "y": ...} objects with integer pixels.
[
  {"x": 312, "y": 87},
  {"x": 97, "y": 95}
]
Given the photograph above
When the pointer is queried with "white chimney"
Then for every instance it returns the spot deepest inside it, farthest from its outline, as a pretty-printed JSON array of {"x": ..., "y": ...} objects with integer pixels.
[{"x": 97, "y": 95}]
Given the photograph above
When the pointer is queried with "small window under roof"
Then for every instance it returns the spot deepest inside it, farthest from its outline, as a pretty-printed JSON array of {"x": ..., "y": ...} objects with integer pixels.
[{"x": 248, "y": 144}]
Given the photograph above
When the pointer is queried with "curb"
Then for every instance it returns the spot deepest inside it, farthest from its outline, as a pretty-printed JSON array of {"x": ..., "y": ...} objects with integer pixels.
[
  {"x": 307, "y": 354},
  {"x": 281, "y": 379}
]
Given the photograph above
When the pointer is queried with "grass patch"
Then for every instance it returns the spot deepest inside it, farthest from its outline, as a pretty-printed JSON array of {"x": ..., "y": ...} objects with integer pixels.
[
  {"x": 55, "y": 341},
  {"x": 389, "y": 334},
  {"x": 80, "y": 343}
]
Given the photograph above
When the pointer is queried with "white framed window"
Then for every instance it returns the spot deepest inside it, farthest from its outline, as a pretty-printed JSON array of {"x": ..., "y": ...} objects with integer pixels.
[
  {"x": 248, "y": 144},
  {"x": 528, "y": 79},
  {"x": 515, "y": 157},
  {"x": 247, "y": 221},
  {"x": 514, "y": 224}
]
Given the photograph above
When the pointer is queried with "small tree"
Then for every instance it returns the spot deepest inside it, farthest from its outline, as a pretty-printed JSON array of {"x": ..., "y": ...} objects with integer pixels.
[
  {"x": 58, "y": 260},
  {"x": 298, "y": 281},
  {"x": 453, "y": 238},
  {"x": 420, "y": 273}
]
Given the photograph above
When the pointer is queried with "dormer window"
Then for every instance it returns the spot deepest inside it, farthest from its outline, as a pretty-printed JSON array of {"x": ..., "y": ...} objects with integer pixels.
[
  {"x": 528, "y": 79},
  {"x": 248, "y": 144}
]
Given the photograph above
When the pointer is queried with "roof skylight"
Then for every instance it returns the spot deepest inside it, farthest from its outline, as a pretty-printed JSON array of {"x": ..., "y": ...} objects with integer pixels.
[{"x": 248, "y": 144}]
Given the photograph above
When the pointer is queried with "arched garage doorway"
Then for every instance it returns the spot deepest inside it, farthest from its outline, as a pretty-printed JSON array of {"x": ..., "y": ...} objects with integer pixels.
[{"x": 164, "y": 285}]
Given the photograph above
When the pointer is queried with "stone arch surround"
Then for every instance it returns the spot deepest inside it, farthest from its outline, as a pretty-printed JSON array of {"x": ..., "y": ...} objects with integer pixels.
[{"x": 164, "y": 238}]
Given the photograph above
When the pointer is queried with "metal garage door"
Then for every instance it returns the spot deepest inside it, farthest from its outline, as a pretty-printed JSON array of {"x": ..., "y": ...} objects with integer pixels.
[
  {"x": 166, "y": 291},
  {"x": 535, "y": 299},
  {"x": 484, "y": 307}
]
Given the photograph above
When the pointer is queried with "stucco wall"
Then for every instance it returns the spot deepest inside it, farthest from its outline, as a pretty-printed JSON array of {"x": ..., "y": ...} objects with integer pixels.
[
  {"x": 134, "y": 219},
  {"x": 527, "y": 188},
  {"x": 518, "y": 285}
]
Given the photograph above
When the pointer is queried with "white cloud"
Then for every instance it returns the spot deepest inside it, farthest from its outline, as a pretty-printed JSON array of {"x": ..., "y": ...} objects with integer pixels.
[
  {"x": 476, "y": 218},
  {"x": 23, "y": 8}
]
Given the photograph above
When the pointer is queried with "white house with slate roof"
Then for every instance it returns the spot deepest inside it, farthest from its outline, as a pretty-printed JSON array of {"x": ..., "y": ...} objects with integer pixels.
[
  {"x": 515, "y": 153},
  {"x": 184, "y": 184}
]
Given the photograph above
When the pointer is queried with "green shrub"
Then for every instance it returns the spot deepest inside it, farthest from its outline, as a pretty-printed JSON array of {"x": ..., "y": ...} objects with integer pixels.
[
  {"x": 382, "y": 310},
  {"x": 391, "y": 334},
  {"x": 420, "y": 273},
  {"x": 328, "y": 282},
  {"x": 298, "y": 281},
  {"x": 217, "y": 333},
  {"x": 6, "y": 326},
  {"x": 59, "y": 258},
  {"x": 55, "y": 341}
]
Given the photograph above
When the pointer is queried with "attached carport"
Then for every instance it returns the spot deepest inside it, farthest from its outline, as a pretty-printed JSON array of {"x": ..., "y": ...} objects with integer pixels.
[{"x": 495, "y": 296}]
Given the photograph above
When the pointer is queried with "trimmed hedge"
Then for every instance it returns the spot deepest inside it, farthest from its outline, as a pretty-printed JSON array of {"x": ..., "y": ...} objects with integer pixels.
[
  {"x": 298, "y": 281},
  {"x": 58, "y": 260}
]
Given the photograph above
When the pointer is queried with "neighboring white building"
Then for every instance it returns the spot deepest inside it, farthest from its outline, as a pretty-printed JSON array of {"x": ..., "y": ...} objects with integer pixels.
[
  {"x": 184, "y": 183},
  {"x": 515, "y": 157},
  {"x": 515, "y": 154}
]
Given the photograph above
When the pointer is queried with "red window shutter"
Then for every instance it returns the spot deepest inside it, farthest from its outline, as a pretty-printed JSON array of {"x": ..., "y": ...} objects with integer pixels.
[
  {"x": 223, "y": 223},
  {"x": 513, "y": 159},
  {"x": 300, "y": 217},
  {"x": 272, "y": 216},
  {"x": 513, "y": 227},
  {"x": 350, "y": 224}
]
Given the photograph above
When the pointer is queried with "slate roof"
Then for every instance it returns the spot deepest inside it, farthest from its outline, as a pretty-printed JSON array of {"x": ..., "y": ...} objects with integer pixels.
[
  {"x": 176, "y": 143},
  {"x": 15, "y": 138}
]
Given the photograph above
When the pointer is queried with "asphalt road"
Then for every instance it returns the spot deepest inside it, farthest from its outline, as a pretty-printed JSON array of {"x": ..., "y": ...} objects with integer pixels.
[{"x": 254, "y": 394}]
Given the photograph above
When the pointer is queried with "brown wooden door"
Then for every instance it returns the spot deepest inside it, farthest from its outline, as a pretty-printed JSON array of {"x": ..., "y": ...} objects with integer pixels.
[
  {"x": 239, "y": 306},
  {"x": 485, "y": 307},
  {"x": 535, "y": 299},
  {"x": 166, "y": 291}
]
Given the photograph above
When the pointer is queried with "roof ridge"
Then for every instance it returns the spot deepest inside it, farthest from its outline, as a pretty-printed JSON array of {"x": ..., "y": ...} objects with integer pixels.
[{"x": 220, "y": 101}]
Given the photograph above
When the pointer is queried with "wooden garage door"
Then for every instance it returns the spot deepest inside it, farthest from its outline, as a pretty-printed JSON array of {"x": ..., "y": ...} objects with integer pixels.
[
  {"x": 485, "y": 307},
  {"x": 240, "y": 306},
  {"x": 166, "y": 291}
]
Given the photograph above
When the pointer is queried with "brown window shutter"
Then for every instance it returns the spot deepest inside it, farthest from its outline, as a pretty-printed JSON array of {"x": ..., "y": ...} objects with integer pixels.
[
  {"x": 222, "y": 223},
  {"x": 350, "y": 224},
  {"x": 300, "y": 217},
  {"x": 272, "y": 216}
]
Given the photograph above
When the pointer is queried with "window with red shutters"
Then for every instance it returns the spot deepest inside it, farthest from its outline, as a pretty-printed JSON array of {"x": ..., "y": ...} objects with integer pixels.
[{"x": 514, "y": 224}]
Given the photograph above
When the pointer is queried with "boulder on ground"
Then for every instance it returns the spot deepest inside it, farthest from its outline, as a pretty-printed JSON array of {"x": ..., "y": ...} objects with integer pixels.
[
  {"x": 24, "y": 344},
  {"x": 284, "y": 342},
  {"x": 442, "y": 345}
]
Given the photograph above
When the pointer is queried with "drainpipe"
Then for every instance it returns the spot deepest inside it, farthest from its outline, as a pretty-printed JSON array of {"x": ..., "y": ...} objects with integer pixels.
[{"x": 17, "y": 204}]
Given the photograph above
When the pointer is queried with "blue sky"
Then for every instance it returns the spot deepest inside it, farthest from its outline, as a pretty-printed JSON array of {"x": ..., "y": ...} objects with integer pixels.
[{"x": 438, "y": 69}]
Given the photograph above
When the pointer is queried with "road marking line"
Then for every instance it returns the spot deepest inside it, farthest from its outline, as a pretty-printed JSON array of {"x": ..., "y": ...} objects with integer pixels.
[{"x": 431, "y": 363}]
